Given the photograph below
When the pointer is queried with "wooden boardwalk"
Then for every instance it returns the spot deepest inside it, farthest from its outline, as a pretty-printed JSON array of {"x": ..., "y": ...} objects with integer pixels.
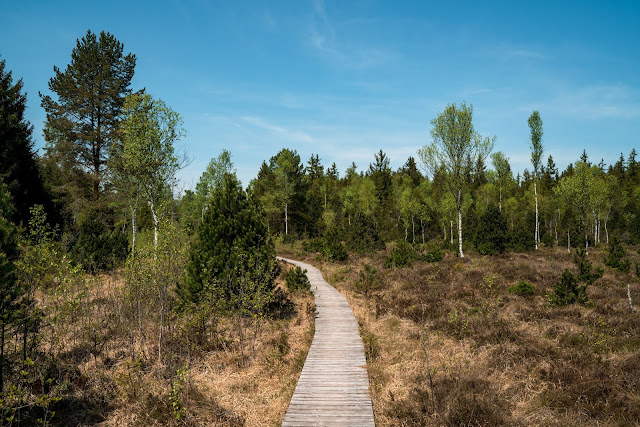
[{"x": 333, "y": 389}]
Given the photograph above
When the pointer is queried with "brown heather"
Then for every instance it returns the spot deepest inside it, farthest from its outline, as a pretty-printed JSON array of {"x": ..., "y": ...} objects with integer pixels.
[{"x": 495, "y": 358}]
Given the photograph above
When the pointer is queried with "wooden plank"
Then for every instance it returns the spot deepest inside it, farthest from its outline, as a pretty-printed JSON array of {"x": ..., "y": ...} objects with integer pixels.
[{"x": 333, "y": 388}]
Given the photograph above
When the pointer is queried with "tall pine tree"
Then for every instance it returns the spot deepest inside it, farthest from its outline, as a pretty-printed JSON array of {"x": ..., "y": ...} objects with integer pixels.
[{"x": 83, "y": 123}]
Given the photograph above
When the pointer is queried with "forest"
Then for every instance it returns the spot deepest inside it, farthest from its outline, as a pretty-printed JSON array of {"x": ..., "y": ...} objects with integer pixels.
[{"x": 120, "y": 293}]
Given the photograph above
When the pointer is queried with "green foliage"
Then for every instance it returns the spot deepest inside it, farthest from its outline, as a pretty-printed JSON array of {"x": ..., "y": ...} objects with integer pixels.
[
  {"x": 176, "y": 394},
  {"x": 333, "y": 249},
  {"x": 296, "y": 280},
  {"x": 402, "y": 255},
  {"x": 363, "y": 236},
  {"x": 98, "y": 248},
  {"x": 233, "y": 256},
  {"x": 18, "y": 161},
  {"x": 367, "y": 280},
  {"x": 616, "y": 258},
  {"x": 522, "y": 288},
  {"x": 84, "y": 121},
  {"x": 314, "y": 244},
  {"x": 518, "y": 240},
  {"x": 433, "y": 255},
  {"x": 569, "y": 289},
  {"x": 585, "y": 273},
  {"x": 491, "y": 232}
]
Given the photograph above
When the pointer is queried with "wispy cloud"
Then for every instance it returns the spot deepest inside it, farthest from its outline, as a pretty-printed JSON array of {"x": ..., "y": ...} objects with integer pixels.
[
  {"x": 287, "y": 134},
  {"x": 325, "y": 40},
  {"x": 594, "y": 102}
]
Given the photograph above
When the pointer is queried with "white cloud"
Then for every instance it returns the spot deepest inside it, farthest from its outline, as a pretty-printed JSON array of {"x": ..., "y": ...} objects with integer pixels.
[{"x": 288, "y": 134}]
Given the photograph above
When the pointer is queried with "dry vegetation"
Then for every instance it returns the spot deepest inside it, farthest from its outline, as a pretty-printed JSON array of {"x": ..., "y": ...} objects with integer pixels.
[
  {"x": 448, "y": 344},
  {"x": 219, "y": 383}
]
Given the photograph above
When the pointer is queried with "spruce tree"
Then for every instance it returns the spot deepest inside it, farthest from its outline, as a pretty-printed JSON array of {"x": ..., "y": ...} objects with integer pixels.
[
  {"x": 232, "y": 242},
  {"x": 10, "y": 290},
  {"x": 18, "y": 163},
  {"x": 83, "y": 123}
]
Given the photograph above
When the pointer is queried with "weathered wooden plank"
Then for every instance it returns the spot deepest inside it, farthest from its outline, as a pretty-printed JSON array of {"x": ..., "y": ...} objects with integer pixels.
[{"x": 333, "y": 388}]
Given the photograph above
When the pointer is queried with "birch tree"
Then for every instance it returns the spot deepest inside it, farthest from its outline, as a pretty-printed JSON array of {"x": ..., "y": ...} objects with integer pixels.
[
  {"x": 535, "y": 124},
  {"x": 456, "y": 148},
  {"x": 503, "y": 170},
  {"x": 149, "y": 131}
]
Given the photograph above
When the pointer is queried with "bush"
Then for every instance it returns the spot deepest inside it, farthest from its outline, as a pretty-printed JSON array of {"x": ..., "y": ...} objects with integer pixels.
[
  {"x": 616, "y": 258},
  {"x": 568, "y": 291},
  {"x": 97, "y": 248},
  {"x": 400, "y": 256},
  {"x": 434, "y": 255},
  {"x": 333, "y": 249},
  {"x": 296, "y": 280},
  {"x": 520, "y": 237},
  {"x": 314, "y": 244},
  {"x": 367, "y": 280},
  {"x": 491, "y": 232},
  {"x": 522, "y": 288},
  {"x": 363, "y": 236}
]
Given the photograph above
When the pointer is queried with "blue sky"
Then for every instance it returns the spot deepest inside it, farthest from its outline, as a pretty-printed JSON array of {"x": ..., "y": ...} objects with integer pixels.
[{"x": 344, "y": 79}]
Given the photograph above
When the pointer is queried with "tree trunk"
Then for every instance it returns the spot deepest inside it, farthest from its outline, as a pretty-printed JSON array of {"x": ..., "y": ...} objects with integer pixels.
[
  {"x": 460, "y": 231},
  {"x": 134, "y": 224},
  {"x": 500, "y": 200},
  {"x": 422, "y": 227},
  {"x": 451, "y": 231},
  {"x": 156, "y": 229},
  {"x": 568, "y": 242},
  {"x": 606, "y": 231},
  {"x": 413, "y": 226},
  {"x": 535, "y": 192},
  {"x": 286, "y": 219}
]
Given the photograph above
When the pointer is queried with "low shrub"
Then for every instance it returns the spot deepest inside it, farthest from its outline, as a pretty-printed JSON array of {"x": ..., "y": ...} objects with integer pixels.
[
  {"x": 333, "y": 249},
  {"x": 296, "y": 280},
  {"x": 522, "y": 288},
  {"x": 367, "y": 281},
  {"x": 314, "y": 244},
  {"x": 400, "y": 256},
  {"x": 616, "y": 258},
  {"x": 434, "y": 255}
]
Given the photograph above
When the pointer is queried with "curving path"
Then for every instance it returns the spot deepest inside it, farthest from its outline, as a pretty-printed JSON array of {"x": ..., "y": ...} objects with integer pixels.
[{"x": 333, "y": 388}]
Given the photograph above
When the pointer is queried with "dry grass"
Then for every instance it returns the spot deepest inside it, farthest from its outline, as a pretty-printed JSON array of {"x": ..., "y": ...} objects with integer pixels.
[
  {"x": 222, "y": 384},
  {"x": 495, "y": 358}
]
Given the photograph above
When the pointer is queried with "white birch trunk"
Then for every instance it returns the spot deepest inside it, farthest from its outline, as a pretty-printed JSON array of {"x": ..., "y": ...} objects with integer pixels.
[
  {"x": 535, "y": 192},
  {"x": 286, "y": 219},
  {"x": 460, "y": 231}
]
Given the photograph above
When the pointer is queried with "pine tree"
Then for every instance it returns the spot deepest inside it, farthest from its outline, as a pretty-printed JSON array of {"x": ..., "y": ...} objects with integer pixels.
[
  {"x": 18, "y": 162},
  {"x": 232, "y": 241},
  {"x": 83, "y": 123}
]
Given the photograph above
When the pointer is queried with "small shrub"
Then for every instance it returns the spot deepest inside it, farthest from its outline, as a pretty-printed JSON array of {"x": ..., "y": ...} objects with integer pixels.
[
  {"x": 522, "y": 288},
  {"x": 367, "y": 280},
  {"x": 314, "y": 244},
  {"x": 568, "y": 291},
  {"x": 434, "y": 255},
  {"x": 491, "y": 232},
  {"x": 333, "y": 249},
  {"x": 616, "y": 258},
  {"x": 362, "y": 235},
  {"x": 297, "y": 280},
  {"x": 400, "y": 256}
]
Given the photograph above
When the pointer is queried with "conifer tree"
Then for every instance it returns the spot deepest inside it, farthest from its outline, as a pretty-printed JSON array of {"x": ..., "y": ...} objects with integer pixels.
[
  {"x": 18, "y": 163},
  {"x": 10, "y": 289},
  {"x": 232, "y": 239},
  {"x": 83, "y": 123}
]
